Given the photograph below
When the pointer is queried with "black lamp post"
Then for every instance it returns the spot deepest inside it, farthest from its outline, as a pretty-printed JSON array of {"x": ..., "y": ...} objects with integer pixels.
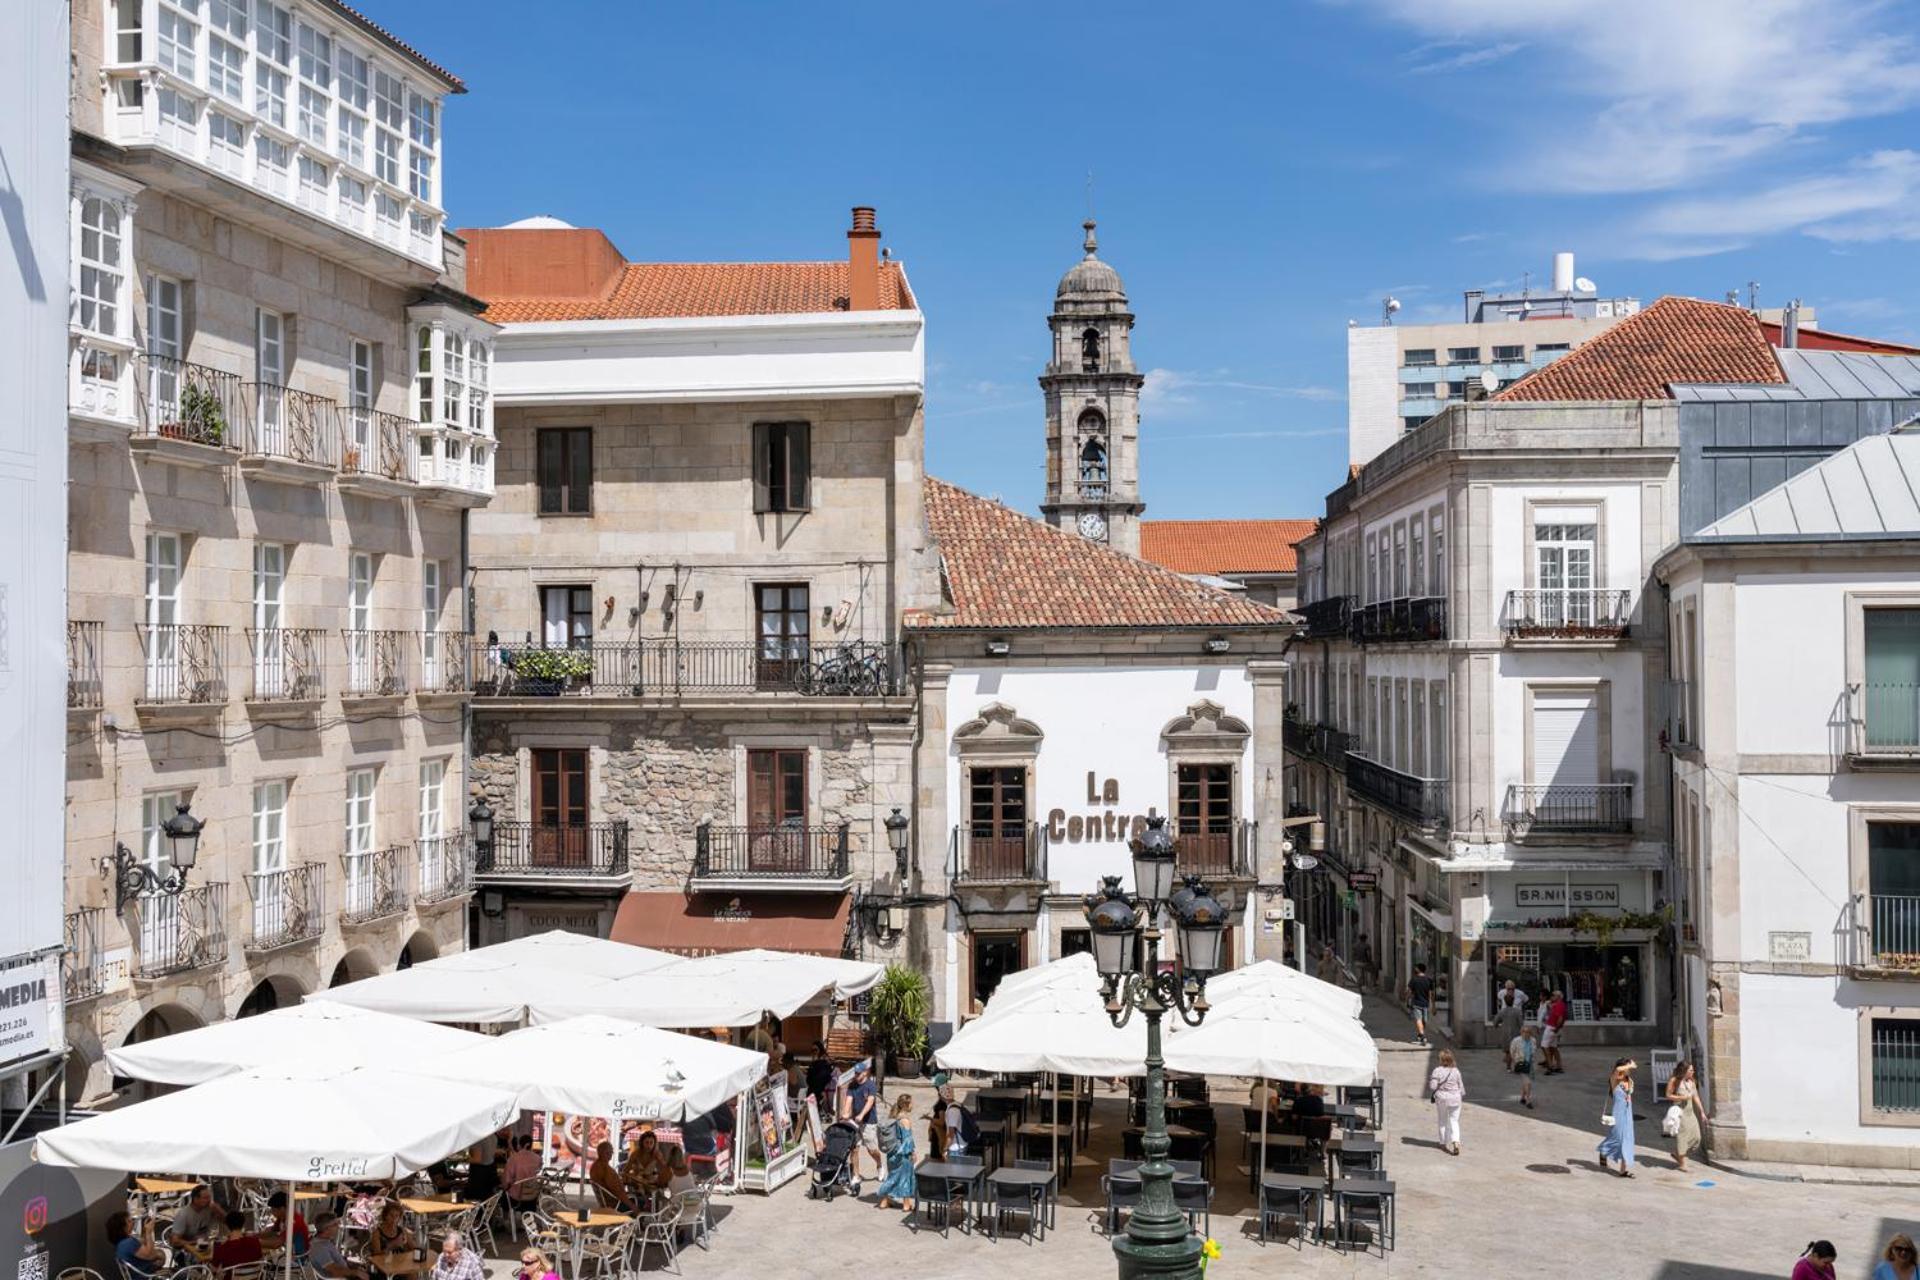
[
  {"x": 480, "y": 824},
  {"x": 180, "y": 836},
  {"x": 1157, "y": 1241},
  {"x": 897, "y": 825}
]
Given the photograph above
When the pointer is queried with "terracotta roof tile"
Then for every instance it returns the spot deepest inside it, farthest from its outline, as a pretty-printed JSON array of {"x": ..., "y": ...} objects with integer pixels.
[
  {"x": 1008, "y": 571},
  {"x": 662, "y": 290},
  {"x": 1222, "y": 546},
  {"x": 1674, "y": 340}
]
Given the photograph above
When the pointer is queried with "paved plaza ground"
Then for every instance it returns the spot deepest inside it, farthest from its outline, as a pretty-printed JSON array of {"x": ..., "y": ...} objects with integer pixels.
[{"x": 1525, "y": 1199}]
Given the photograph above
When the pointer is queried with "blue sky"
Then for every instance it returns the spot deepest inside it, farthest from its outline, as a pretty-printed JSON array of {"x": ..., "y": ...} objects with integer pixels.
[{"x": 1263, "y": 173}]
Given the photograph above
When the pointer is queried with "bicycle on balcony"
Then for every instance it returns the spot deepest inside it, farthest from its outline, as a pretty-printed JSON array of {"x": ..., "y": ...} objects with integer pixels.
[{"x": 853, "y": 671}]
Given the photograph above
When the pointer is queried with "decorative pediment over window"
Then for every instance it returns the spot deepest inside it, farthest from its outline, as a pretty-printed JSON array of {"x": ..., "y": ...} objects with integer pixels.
[
  {"x": 1208, "y": 727},
  {"x": 998, "y": 727}
]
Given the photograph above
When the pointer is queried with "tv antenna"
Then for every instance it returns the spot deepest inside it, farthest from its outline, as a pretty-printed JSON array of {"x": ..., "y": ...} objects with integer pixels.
[
  {"x": 1753, "y": 295},
  {"x": 1388, "y": 306}
]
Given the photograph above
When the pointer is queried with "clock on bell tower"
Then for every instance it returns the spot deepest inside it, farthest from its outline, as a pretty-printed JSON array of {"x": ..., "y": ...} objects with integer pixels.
[{"x": 1092, "y": 393}]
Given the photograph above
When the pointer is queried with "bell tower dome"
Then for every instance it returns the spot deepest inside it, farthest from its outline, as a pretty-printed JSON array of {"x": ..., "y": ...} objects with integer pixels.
[{"x": 1092, "y": 395}]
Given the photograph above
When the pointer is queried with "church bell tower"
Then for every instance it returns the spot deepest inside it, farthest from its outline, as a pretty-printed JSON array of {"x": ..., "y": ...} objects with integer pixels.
[{"x": 1093, "y": 408}]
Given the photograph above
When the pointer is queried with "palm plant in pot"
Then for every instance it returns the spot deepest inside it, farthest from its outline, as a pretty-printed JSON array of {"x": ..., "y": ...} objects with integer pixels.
[{"x": 897, "y": 1009}]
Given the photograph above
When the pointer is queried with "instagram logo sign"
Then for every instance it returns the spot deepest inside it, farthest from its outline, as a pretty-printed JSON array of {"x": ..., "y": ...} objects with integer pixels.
[{"x": 34, "y": 1219}]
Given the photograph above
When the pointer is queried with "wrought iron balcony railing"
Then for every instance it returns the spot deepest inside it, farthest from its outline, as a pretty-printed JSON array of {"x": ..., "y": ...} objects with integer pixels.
[
  {"x": 186, "y": 663},
  {"x": 1216, "y": 848},
  {"x": 1422, "y": 800},
  {"x": 1329, "y": 617},
  {"x": 585, "y": 849},
  {"x": 289, "y": 906},
  {"x": 376, "y": 663},
  {"x": 1598, "y": 808},
  {"x": 667, "y": 667},
  {"x": 1883, "y": 931},
  {"x": 288, "y": 664},
  {"x": 989, "y": 852},
  {"x": 1883, "y": 720},
  {"x": 774, "y": 853},
  {"x": 293, "y": 426},
  {"x": 379, "y": 445},
  {"x": 175, "y": 933},
  {"x": 1406, "y": 620},
  {"x": 443, "y": 661},
  {"x": 441, "y": 868},
  {"x": 1567, "y": 613},
  {"x": 84, "y": 691},
  {"x": 1682, "y": 715},
  {"x": 375, "y": 885},
  {"x": 191, "y": 402},
  {"x": 1318, "y": 741},
  {"x": 83, "y": 966}
]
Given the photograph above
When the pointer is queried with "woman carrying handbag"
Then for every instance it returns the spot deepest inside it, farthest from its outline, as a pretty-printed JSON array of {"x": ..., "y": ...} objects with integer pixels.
[
  {"x": 1618, "y": 1120},
  {"x": 1448, "y": 1092},
  {"x": 1685, "y": 1115}
]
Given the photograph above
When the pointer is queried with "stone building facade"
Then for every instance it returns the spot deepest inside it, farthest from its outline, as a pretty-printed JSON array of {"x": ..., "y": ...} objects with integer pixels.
[
  {"x": 692, "y": 716},
  {"x": 278, "y": 420}
]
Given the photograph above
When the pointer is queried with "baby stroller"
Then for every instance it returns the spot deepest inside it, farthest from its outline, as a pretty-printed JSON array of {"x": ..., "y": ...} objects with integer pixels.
[{"x": 833, "y": 1167}]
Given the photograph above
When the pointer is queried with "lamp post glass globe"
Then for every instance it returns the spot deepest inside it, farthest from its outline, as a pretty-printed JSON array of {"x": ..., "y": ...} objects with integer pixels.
[
  {"x": 1154, "y": 864},
  {"x": 182, "y": 833}
]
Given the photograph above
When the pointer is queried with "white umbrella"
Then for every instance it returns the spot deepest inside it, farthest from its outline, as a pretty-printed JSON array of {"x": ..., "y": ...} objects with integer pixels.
[
  {"x": 312, "y": 1123},
  {"x": 844, "y": 977},
  {"x": 1272, "y": 981},
  {"x": 558, "y": 949},
  {"x": 1284, "y": 1042},
  {"x": 730, "y": 990},
  {"x": 1059, "y": 1030},
  {"x": 337, "y": 1034},
  {"x": 481, "y": 989},
  {"x": 598, "y": 1066}
]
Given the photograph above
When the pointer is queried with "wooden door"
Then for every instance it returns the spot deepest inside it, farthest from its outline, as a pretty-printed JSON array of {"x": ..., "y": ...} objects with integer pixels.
[
  {"x": 997, "y": 818},
  {"x": 1206, "y": 818},
  {"x": 784, "y": 627},
  {"x": 560, "y": 833},
  {"x": 777, "y": 810}
]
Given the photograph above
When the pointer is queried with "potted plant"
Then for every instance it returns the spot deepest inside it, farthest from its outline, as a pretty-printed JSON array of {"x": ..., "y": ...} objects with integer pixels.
[
  {"x": 897, "y": 1010},
  {"x": 548, "y": 671},
  {"x": 352, "y": 460}
]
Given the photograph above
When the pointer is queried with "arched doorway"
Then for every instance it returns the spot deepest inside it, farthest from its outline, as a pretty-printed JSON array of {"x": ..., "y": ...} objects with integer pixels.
[
  {"x": 353, "y": 966},
  {"x": 276, "y": 992},
  {"x": 161, "y": 1020},
  {"x": 420, "y": 946}
]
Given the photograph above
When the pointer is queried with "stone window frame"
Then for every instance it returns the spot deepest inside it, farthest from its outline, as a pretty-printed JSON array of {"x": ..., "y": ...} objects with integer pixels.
[
  {"x": 1870, "y": 1118},
  {"x": 1535, "y": 507},
  {"x": 524, "y": 745},
  {"x": 1602, "y": 690},
  {"x": 998, "y": 736},
  {"x": 1857, "y": 603},
  {"x": 739, "y": 746},
  {"x": 1205, "y": 734}
]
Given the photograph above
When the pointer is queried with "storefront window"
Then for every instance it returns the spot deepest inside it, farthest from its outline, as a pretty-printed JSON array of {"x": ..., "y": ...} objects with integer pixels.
[
  {"x": 1602, "y": 984},
  {"x": 995, "y": 955},
  {"x": 1432, "y": 948},
  {"x": 1075, "y": 942}
]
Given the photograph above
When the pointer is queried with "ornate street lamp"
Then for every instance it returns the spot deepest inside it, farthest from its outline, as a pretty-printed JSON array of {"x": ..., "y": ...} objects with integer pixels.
[
  {"x": 1157, "y": 1241},
  {"x": 897, "y": 825},
  {"x": 480, "y": 824},
  {"x": 180, "y": 837}
]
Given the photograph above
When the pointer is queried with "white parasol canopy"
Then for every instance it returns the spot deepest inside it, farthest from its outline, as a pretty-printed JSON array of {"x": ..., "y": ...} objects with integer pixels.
[
  {"x": 340, "y": 1035},
  {"x": 600, "y": 1066},
  {"x": 1048, "y": 1028},
  {"x": 734, "y": 989},
  {"x": 1273, "y": 981},
  {"x": 557, "y": 949},
  {"x": 1297, "y": 1041},
  {"x": 314, "y": 1123}
]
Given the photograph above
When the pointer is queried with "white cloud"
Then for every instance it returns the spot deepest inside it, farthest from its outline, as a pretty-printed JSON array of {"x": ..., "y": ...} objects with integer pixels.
[
  {"x": 1430, "y": 59},
  {"x": 1177, "y": 387},
  {"x": 1873, "y": 198}
]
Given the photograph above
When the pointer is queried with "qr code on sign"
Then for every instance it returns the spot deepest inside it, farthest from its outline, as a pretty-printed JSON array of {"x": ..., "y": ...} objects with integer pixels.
[{"x": 34, "y": 1266}]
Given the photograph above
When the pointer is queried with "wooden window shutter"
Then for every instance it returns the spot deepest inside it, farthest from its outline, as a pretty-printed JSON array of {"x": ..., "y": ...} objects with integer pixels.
[
  {"x": 799, "y": 466},
  {"x": 552, "y": 447},
  {"x": 762, "y": 466},
  {"x": 580, "y": 471}
]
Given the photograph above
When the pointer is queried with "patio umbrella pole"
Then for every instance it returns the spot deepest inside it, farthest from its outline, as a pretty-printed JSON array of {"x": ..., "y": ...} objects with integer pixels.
[
  {"x": 1055, "y": 1126},
  {"x": 292, "y": 1207},
  {"x": 1260, "y": 1159}
]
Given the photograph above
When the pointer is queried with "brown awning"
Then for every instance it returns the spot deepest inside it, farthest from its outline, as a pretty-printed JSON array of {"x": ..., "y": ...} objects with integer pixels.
[{"x": 704, "y": 924}]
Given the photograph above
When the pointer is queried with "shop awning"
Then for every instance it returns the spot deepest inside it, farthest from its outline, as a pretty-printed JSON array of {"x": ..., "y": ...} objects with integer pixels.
[{"x": 705, "y": 924}]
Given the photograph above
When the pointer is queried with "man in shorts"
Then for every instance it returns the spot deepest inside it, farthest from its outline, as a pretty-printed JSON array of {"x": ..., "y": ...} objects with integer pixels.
[
  {"x": 1552, "y": 1018},
  {"x": 863, "y": 1108},
  {"x": 1419, "y": 1001}
]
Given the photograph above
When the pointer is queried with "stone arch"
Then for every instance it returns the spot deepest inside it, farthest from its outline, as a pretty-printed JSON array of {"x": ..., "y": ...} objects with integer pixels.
[
  {"x": 165, "y": 1018},
  {"x": 998, "y": 727},
  {"x": 421, "y": 946},
  {"x": 273, "y": 991},
  {"x": 1206, "y": 726},
  {"x": 354, "y": 965}
]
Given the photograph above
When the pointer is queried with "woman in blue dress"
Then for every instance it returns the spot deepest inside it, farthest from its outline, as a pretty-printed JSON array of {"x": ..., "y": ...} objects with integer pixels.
[
  {"x": 1618, "y": 1144},
  {"x": 896, "y": 1142}
]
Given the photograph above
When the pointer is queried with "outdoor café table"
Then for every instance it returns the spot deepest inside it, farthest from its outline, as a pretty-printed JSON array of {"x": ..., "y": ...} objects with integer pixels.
[
  {"x": 401, "y": 1262},
  {"x": 993, "y": 1137},
  {"x": 946, "y": 1173},
  {"x": 1001, "y": 1100},
  {"x": 1043, "y": 1179},
  {"x": 1353, "y": 1144},
  {"x": 1314, "y": 1188},
  {"x": 576, "y": 1226},
  {"x": 1274, "y": 1141},
  {"x": 1079, "y": 1108},
  {"x": 1039, "y": 1140},
  {"x": 164, "y": 1186},
  {"x": 424, "y": 1209},
  {"x": 1344, "y": 1189}
]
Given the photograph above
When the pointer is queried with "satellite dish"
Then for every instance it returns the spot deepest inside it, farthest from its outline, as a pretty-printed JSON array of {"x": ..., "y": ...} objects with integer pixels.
[
  {"x": 1489, "y": 381},
  {"x": 1584, "y": 285}
]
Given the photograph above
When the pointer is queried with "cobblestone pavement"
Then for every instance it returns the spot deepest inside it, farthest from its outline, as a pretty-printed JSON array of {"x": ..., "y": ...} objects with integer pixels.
[{"x": 1525, "y": 1198}]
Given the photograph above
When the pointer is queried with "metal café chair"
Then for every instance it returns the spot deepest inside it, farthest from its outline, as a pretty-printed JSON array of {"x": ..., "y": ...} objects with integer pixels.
[
  {"x": 1372, "y": 1208},
  {"x": 1017, "y": 1199},
  {"x": 1049, "y": 1197},
  {"x": 1282, "y": 1205},
  {"x": 1122, "y": 1185}
]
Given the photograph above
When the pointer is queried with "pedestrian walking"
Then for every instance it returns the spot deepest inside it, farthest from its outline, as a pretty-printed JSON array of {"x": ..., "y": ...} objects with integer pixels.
[
  {"x": 1816, "y": 1262},
  {"x": 1448, "y": 1090},
  {"x": 1419, "y": 995},
  {"x": 1521, "y": 1053},
  {"x": 1363, "y": 961},
  {"x": 1618, "y": 1119},
  {"x": 896, "y": 1142},
  {"x": 1551, "y": 1021},
  {"x": 1685, "y": 1115},
  {"x": 1509, "y": 1012},
  {"x": 1897, "y": 1261}
]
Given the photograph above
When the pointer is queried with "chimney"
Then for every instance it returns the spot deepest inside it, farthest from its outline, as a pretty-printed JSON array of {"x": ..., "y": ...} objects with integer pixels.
[
  {"x": 863, "y": 261},
  {"x": 1790, "y": 325},
  {"x": 1563, "y": 272}
]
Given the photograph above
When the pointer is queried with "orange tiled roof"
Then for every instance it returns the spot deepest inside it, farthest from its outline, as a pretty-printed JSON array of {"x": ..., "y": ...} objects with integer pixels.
[
  {"x": 1222, "y": 546},
  {"x": 1006, "y": 571},
  {"x": 1674, "y": 340},
  {"x": 661, "y": 290},
  {"x": 1829, "y": 340}
]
